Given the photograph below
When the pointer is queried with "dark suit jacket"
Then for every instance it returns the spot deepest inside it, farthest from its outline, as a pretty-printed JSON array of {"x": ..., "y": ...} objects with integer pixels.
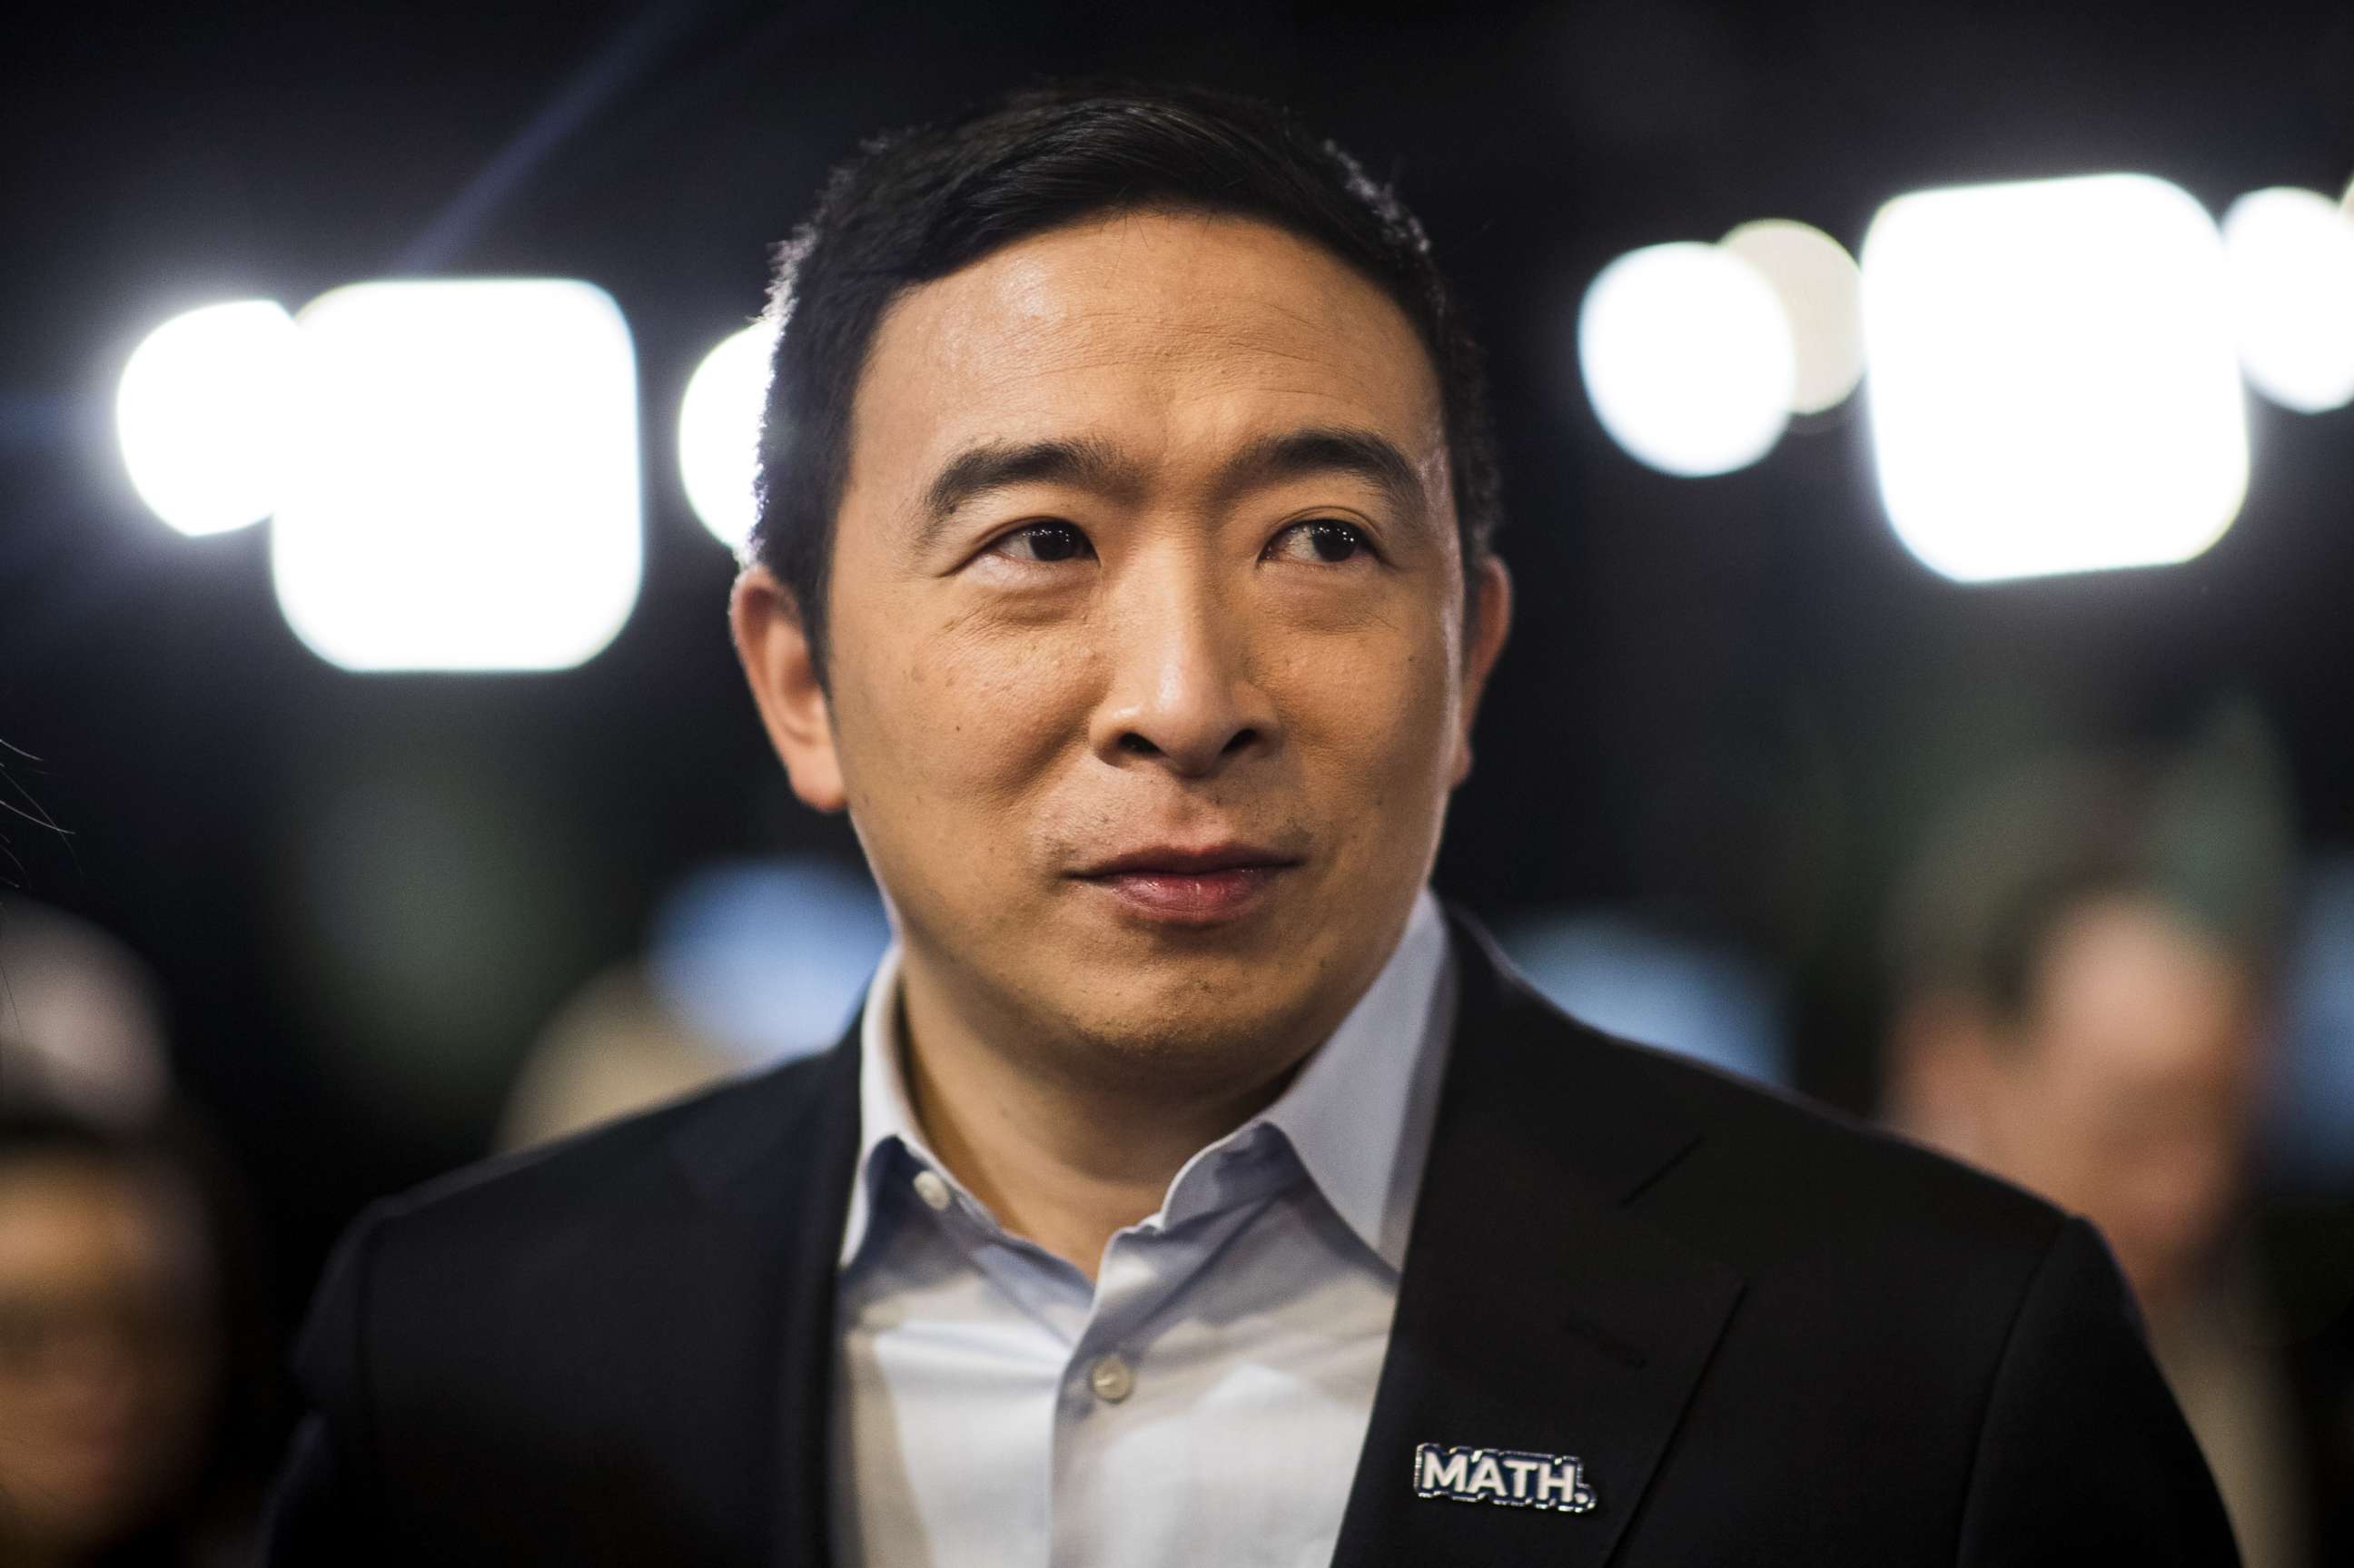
[{"x": 1772, "y": 1336}]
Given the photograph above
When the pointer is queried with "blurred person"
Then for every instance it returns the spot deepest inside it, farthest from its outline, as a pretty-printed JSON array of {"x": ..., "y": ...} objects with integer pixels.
[
  {"x": 748, "y": 963},
  {"x": 2075, "y": 1013},
  {"x": 1193, "y": 1188},
  {"x": 137, "y": 1379},
  {"x": 81, "y": 1027},
  {"x": 612, "y": 1048},
  {"x": 115, "y": 1347}
]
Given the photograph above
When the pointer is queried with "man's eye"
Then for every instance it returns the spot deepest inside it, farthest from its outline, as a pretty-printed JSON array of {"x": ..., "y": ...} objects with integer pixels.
[
  {"x": 1043, "y": 542},
  {"x": 1327, "y": 541}
]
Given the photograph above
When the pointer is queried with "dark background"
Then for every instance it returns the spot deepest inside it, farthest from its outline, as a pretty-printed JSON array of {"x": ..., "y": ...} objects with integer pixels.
[{"x": 1728, "y": 702}]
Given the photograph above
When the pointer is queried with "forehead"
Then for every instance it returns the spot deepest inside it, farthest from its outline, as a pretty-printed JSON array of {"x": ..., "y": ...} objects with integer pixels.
[
  {"x": 1187, "y": 327},
  {"x": 2132, "y": 988}
]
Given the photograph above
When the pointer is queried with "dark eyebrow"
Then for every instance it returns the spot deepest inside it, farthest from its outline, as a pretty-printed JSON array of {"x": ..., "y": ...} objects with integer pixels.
[
  {"x": 1090, "y": 462},
  {"x": 1297, "y": 454},
  {"x": 1084, "y": 461}
]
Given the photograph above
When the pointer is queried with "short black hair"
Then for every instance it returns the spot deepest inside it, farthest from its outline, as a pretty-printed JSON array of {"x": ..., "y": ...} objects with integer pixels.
[
  {"x": 2011, "y": 861},
  {"x": 916, "y": 206}
]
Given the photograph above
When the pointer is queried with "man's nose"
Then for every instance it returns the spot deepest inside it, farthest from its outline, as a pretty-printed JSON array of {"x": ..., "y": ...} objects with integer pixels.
[{"x": 1182, "y": 693}]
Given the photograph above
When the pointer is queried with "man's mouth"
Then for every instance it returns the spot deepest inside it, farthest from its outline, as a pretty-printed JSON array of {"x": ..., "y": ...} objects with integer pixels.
[{"x": 1191, "y": 885}]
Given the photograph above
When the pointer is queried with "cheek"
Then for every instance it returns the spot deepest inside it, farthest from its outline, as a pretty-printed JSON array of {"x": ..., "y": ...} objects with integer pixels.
[
  {"x": 1369, "y": 729},
  {"x": 956, "y": 723},
  {"x": 1380, "y": 711}
]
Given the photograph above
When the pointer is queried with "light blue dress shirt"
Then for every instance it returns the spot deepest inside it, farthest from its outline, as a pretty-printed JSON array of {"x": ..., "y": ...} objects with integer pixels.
[{"x": 1203, "y": 1403}]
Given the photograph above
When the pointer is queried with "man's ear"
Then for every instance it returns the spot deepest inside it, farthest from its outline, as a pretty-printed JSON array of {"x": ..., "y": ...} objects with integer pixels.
[
  {"x": 778, "y": 664},
  {"x": 1493, "y": 601}
]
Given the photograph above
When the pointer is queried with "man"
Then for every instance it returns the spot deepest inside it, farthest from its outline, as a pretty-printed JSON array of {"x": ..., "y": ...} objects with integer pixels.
[
  {"x": 1123, "y": 571},
  {"x": 2078, "y": 1009},
  {"x": 111, "y": 1345}
]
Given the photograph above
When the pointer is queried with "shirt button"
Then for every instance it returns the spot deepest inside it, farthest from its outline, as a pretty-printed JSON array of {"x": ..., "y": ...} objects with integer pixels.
[
  {"x": 1112, "y": 1379},
  {"x": 932, "y": 1189}
]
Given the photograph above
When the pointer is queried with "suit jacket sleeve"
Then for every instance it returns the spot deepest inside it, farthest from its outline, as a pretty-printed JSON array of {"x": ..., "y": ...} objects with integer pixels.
[
  {"x": 2083, "y": 1456},
  {"x": 322, "y": 1510}
]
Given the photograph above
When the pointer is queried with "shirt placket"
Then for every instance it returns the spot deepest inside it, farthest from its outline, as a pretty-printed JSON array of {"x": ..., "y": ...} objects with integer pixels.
[{"x": 1107, "y": 1382}]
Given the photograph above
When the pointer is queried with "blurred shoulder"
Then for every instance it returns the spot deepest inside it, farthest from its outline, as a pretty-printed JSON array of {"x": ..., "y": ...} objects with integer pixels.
[{"x": 609, "y": 1174}]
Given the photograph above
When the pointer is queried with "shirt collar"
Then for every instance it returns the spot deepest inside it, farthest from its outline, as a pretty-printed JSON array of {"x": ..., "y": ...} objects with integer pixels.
[
  {"x": 1357, "y": 1116},
  {"x": 886, "y": 1116}
]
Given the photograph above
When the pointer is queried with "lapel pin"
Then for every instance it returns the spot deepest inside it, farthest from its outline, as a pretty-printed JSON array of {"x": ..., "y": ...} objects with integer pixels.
[{"x": 1555, "y": 1481}]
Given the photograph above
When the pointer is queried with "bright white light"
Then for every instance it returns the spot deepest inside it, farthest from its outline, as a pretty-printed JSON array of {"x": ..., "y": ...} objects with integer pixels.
[
  {"x": 2291, "y": 257},
  {"x": 463, "y": 491},
  {"x": 719, "y": 431},
  {"x": 2052, "y": 383},
  {"x": 1821, "y": 293},
  {"x": 200, "y": 413},
  {"x": 1687, "y": 357}
]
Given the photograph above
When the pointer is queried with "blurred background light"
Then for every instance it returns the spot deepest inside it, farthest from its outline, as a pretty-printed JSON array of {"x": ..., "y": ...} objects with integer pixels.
[
  {"x": 463, "y": 486},
  {"x": 2053, "y": 386},
  {"x": 1821, "y": 291},
  {"x": 768, "y": 958},
  {"x": 2290, "y": 257},
  {"x": 1627, "y": 978},
  {"x": 750, "y": 962},
  {"x": 200, "y": 413},
  {"x": 719, "y": 431},
  {"x": 1686, "y": 355},
  {"x": 2314, "y": 1100}
]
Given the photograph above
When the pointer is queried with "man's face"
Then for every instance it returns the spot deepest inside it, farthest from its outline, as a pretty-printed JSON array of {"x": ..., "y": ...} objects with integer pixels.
[
  {"x": 2127, "y": 1091},
  {"x": 107, "y": 1359},
  {"x": 1149, "y": 674}
]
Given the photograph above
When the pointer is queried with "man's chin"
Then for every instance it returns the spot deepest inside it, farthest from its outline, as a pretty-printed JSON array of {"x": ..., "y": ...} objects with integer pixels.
[
  {"x": 1202, "y": 1057},
  {"x": 1208, "y": 1016}
]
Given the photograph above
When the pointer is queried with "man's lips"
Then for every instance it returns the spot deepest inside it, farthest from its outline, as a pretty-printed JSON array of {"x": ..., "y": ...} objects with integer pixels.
[
  {"x": 1171, "y": 860},
  {"x": 1203, "y": 886}
]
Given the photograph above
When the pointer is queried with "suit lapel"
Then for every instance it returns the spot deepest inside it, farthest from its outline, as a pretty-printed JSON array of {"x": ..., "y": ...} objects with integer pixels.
[
  {"x": 779, "y": 1160},
  {"x": 1535, "y": 1313}
]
